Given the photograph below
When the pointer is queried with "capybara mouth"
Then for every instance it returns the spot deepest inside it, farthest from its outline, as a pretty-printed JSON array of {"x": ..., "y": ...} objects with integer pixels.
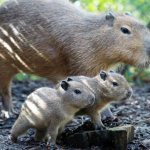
[
  {"x": 91, "y": 102},
  {"x": 145, "y": 65},
  {"x": 128, "y": 95}
]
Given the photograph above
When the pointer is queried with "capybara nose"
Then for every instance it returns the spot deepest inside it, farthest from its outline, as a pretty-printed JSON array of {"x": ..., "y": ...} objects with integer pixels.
[
  {"x": 147, "y": 46},
  {"x": 148, "y": 51},
  {"x": 92, "y": 100}
]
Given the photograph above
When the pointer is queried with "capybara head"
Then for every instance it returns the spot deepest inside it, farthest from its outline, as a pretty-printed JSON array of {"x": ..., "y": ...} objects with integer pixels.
[
  {"x": 114, "y": 87},
  {"x": 124, "y": 39},
  {"x": 76, "y": 94}
]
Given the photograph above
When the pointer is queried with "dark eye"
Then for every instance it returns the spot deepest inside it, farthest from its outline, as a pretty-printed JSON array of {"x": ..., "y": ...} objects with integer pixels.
[
  {"x": 125, "y": 30},
  {"x": 115, "y": 83},
  {"x": 77, "y": 91}
]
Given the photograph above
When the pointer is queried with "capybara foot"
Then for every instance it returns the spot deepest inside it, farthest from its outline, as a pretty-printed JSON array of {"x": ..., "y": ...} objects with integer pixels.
[
  {"x": 5, "y": 114},
  {"x": 8, "y": 114},
  {"x": 13, "y": 138}
]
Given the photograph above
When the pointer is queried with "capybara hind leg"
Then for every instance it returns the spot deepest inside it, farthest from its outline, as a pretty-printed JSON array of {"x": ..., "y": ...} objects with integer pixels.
[
  {"x": 96, "y": 119},
  {"x": 21, "y": 126},
  {"x": 5, "y": 93},
  {"x": 6, "y": 98},
  {"x": 40, "y": 134}
]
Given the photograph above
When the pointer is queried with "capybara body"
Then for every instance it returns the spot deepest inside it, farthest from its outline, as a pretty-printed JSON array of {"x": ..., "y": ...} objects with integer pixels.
[
  {"x": 107, "y": 87},
  {"x": 54, "y": 39},
  {"x": 48, "y": 110}
]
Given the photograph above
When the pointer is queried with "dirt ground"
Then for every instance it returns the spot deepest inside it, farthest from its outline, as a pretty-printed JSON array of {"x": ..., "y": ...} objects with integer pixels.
[{"x": 132, "y": 112}]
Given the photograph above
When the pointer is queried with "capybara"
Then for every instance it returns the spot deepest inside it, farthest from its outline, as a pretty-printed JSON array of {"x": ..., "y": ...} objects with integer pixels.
[
  {"x": 48, "y": 110},
  {"x": 107, "y": 87},
  {"x": 55, "y": 39}
]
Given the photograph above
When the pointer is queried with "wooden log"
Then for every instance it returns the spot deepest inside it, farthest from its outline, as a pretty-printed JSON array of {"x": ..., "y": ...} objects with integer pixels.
[{"x": 115, "y": 138}]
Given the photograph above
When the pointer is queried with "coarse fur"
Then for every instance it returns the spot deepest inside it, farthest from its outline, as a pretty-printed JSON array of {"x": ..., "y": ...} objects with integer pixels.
[
  {"x": 55, "y": 39},
  {"x": 48, "y": 110},
  {"x": 108, "y": 87}
]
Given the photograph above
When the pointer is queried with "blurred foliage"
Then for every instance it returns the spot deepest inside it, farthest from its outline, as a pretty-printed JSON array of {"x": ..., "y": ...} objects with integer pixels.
[
  {"x": 1, "y": 1},
  {"x": 24, "y": 76},
  {"x": 138, "y": 8}
]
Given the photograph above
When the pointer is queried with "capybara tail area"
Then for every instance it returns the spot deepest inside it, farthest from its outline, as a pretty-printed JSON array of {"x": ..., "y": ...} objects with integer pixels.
[{"x": 20, "y": 126}]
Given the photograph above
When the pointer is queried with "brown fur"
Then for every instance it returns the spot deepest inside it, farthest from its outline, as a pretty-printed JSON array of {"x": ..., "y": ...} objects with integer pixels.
[
  {"x": 48, "y": 110},
  {"x": 54, "y": 39},
  {"x": 105, "y": 93}
]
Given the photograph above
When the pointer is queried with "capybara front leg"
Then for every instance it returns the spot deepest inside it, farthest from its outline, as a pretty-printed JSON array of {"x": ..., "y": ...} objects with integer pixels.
[
  {"x": 106, "y": 113},
  {"x": 96, "y": 119}
]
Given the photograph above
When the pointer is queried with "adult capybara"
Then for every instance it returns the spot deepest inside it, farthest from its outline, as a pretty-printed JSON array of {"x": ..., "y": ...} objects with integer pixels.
[{"x": 54, "y": 39}]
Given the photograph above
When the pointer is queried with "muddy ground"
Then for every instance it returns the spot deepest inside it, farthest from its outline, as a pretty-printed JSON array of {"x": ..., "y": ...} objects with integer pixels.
[{"x": 132, "y": 112}]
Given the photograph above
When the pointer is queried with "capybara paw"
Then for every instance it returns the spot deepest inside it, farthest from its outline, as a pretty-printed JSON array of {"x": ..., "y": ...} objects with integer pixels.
[
  {"x": 12, "y": 138},
  {"x": 5, "y": 114}
]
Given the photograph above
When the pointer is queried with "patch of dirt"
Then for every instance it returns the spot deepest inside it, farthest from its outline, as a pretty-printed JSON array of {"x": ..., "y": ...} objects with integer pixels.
[{"x": 131, "y": 112}]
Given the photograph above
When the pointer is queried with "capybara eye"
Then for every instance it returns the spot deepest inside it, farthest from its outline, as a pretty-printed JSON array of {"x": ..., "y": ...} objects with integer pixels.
[
  {"x": 69, "y": 79},
  {"x": 111, "y": 71},
  {"x": 115, "y": 83},
  {"x": 77, "y": 91},
  {"x": 125, "y": 30}
]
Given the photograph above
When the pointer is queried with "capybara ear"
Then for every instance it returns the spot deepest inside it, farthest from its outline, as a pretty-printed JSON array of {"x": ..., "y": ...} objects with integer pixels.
[
  {"x": 111, "y": 71},
  {"x": 103, "y": 75},
  {"x": 69, "y": 79},
  {"x": 110, "y": 16},
  {"x": 64, "y": 85}
]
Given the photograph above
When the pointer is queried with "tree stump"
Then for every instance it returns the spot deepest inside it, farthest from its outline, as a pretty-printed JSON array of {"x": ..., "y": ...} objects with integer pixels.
[{"x": 115, "y": 138}]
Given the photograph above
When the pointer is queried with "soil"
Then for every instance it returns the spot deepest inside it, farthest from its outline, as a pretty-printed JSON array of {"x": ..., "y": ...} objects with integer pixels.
[{"x": 134, "y": 111}]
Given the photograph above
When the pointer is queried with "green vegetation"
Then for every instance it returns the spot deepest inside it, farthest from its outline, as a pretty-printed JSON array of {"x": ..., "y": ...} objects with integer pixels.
[
  {"x": 1, "y": 1},
  {"x": 24, "y": 76},
  {"x": 139, "y": 8}
]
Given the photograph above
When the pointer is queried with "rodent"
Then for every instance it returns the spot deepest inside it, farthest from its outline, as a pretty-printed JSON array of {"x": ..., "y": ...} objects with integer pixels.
[
  {"x": 48, "y": 110},
  {"x": 55, "y": 39},
  {"x": 107, "y": 87}
]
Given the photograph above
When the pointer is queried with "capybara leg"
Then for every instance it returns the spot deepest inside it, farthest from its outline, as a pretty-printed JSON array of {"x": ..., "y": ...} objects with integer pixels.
[
  {"x": 60, "y": 130},
  {"x": 40, "y": 134},
  {"x": 96, "y": 119},
  {"x": 106, "y": 113},
  {"x": 20, "y": 126},
  {"x": 52, "y": 135},
  {"x": 5, "y": 92}
]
